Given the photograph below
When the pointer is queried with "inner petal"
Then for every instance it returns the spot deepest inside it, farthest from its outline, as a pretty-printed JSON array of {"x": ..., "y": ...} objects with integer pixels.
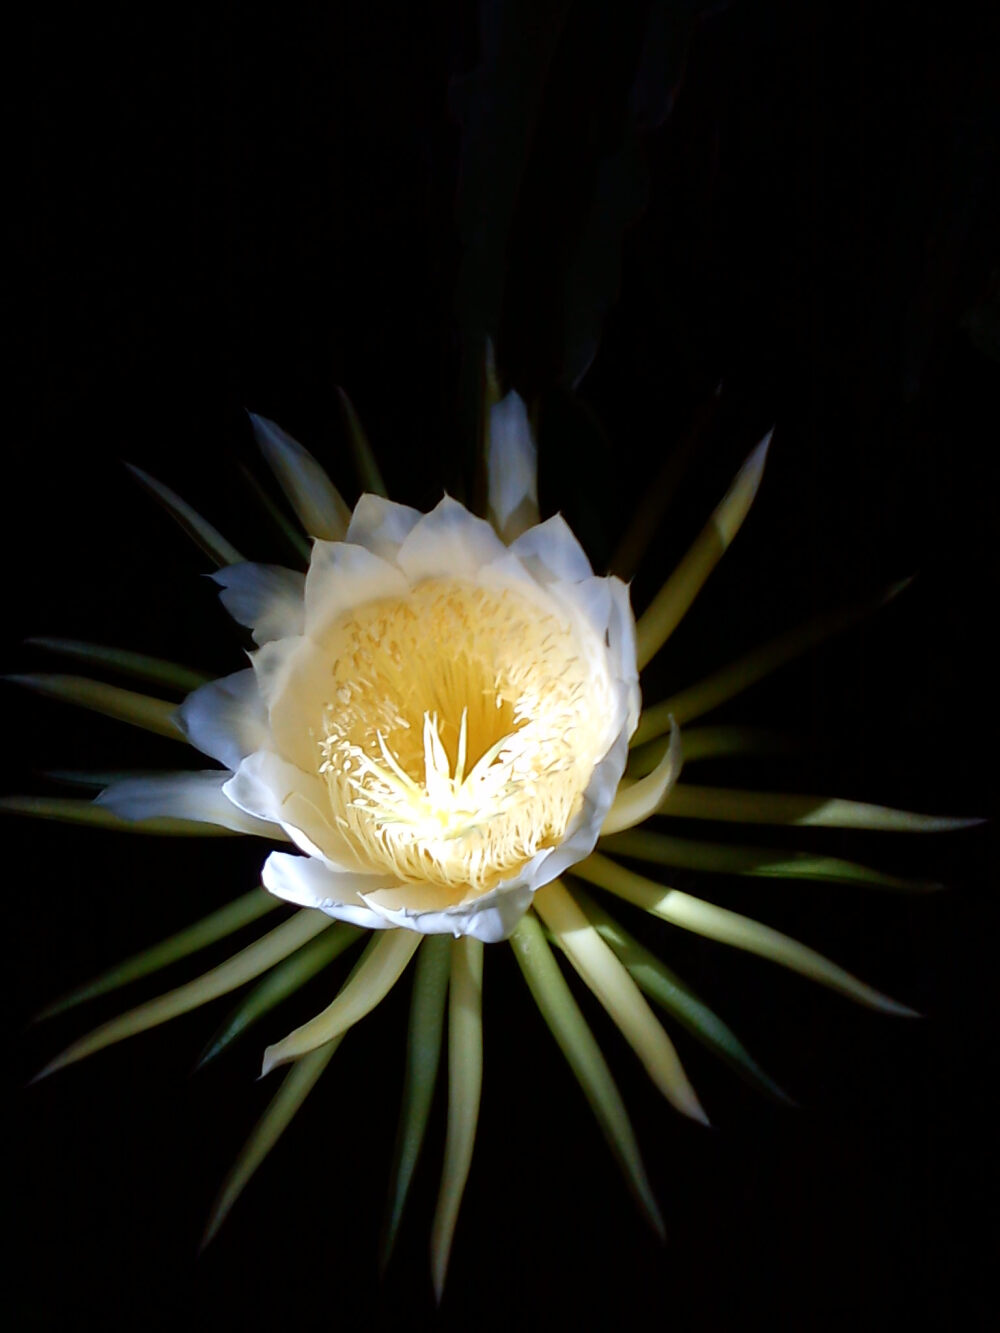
[{"x": 458, "y": 730}]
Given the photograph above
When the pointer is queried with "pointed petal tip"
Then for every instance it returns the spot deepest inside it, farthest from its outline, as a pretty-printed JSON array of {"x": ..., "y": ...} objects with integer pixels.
[
  {"x": 885, "y": 1004},
  {"x": 894, "y": 589},
  {"x": 53, "y": 1065},
  {"x": 758, "y": 455},
  {"x": 49, "y": 1010},
  {"x": 782, "y": 1098},
  {"x": 208, "y": 1235},
  {"x": 206, "y": 1056},
  {"x": 696, "y": 1112},
  {"x": 651, "y": 1212}
]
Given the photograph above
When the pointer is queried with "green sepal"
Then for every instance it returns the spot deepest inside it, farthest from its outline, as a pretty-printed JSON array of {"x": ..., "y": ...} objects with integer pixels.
[
  {"x": 423, "y": 1058},
  {"x": 298, "y": 1081},
  {"x": 206, "y": 537},
  {"x": 732, "y": 804},
  {"x": 760, "y": 862},
  {"x": 364, "y": 455},
  {"x": 216, "y": 926},
  {"x": 236, "y": 971},
  {"x": 281, "y": 982},
  {"x": 465, "y": 1087},
  {"x": 729, "y": 681},
  {"x": 69, "y": 810},
  {"x": 294, "y": 1089},
  {"x": 712, "y": 743},
  {"x": 742, "y": 932},
  {"x": 679, "y": 1000},
  {"x": 288, "y": 530},
  {"x": 155, "y": 670},
  {"x": 567, "y": 1024},
  {"x": 139, "y": 710}
]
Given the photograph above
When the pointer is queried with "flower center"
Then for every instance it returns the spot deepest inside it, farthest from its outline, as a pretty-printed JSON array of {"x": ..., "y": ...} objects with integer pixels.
[{"x": 461, "y": 731}]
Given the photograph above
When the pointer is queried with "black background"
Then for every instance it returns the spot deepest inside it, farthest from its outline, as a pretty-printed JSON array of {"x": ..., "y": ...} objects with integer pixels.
[{"x": 219, "y": 208}]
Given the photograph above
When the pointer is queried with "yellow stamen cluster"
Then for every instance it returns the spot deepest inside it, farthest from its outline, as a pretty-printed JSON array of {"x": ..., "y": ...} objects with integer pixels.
[{"x": 461, "y": 728}]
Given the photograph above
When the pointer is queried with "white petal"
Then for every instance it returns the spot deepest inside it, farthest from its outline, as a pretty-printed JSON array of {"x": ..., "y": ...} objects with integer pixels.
[
  {"x": 409, "y": 899},
  {"x": 308, "y": 883},
  {"x": 182, "y": 796},
  {"x": 267, "y": 598},
  {"x": 311, "y": 493},
  {"x": 585, "y": 829},
  {"x": 287, "y": 677},
  {"x": 293, "y": 676},
  {"x": 621, "y": 640},
  {"x": 225, "y": 718},
  {"x": 381, "y": 525},
  {"x": 509, "y": 571},
  {"x": 267, "y": 786},
  {"x": 512, "y": 468},
  {"x": 273, "y": 664},
  {"x": 590, "y": 600},
  {"x": 342, "y": 576},
  {"x": 492, "y": 918},
  {"x": 551, "y": 552},
  {"x": 448, "y": 542}
]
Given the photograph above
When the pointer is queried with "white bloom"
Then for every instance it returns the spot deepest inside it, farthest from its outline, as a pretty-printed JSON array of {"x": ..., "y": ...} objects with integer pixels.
[
  {"x": 438, "y": 720},
  {"x": 437, "y": 716}
]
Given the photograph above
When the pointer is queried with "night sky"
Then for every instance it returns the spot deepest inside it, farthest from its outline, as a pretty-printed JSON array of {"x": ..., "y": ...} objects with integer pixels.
[{"x": 681, "y": 224}]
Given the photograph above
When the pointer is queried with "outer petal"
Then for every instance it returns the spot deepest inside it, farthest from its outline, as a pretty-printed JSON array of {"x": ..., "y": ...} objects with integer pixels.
[
  {"x": 268, "y": 787},
  {"x": 582, "y": 836},
  {"x": 512, "y": 468},
  {"x": 267, "y": 598},
  {"x": 550, "y": 551},
  {"x": 225, "y": 718},
  {"x": 492, "y": 918},
  {"x": 449, "y": 541},
  {"x": 342, "y": 576},
  {"x": 621, "y": 641},
  {"x": 183, "y": 796},
  {"x": 310, "y": 491},
  {"x": 381, "y": 525},
  {"x": 590, "y": 599},
  {"x": 588, "y": 603},
  {"x": 292, "y": 676},
  {"x": 309, "y": 883},
  {"x": 273, "y": 663},
  {"x": 509, "y": 571}
]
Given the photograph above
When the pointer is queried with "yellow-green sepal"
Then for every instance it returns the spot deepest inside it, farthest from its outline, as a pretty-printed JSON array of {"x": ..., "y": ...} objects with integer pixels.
[
  {"x": 423, "y": 1058},
  {"x": 282, "y": 981}
]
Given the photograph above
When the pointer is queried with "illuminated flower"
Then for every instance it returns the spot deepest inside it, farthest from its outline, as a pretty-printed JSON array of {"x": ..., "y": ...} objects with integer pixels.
[
  {"x": 438, "y": 717},
  {"x": 439, "y": 746}
]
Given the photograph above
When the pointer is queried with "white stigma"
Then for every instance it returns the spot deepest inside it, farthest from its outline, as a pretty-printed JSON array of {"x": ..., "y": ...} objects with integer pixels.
[{"x": 461, "y": 727}]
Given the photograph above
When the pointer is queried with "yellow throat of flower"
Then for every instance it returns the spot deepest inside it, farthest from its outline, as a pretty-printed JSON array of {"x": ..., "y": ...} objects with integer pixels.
[{"x": 462, "y": 726}]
